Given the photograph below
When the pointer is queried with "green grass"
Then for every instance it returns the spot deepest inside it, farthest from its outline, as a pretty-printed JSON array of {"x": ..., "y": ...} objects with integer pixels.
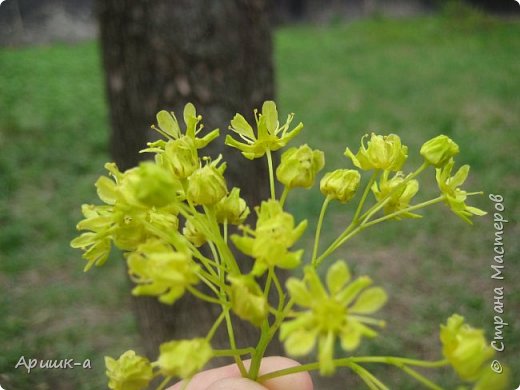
[{"x": 416, "y": 77}]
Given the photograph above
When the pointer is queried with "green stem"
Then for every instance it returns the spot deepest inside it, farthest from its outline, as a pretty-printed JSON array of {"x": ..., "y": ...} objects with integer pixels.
[
  {"x": 256, "y": 360},
  {"x": 343, "y": 362},
  {"x": 163, "y": 384},
  {"x": 368, "y": 377},
  {"x": 203, "y": 296},
  {"x": 425, "y": 381},
  {"x": 268, "y": 283},
  {"x": 233, "y": 352},
  {"x": 233, "y": 345},
  {"x": 364, "y": 197},
  {"x": 318, "y": 229},
  {"x": 225, "y": 228},
  {"x": 215, "y": 325},
  {"x": 271, "y": 173},
  {"x": 406, "y": 210},
  {"x": 284, "y": 196}
]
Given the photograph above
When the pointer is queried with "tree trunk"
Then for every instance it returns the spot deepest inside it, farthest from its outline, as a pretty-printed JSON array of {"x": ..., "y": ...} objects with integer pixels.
[{"x": 160, "y": 54}]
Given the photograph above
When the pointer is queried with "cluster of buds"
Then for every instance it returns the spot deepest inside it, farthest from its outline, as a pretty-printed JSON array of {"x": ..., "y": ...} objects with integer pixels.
[{"x": 170, "y": 216}]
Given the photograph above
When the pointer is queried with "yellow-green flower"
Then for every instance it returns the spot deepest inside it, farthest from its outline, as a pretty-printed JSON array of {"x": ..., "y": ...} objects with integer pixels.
[
  {"x": 207, "y": 185},
  {"x": 153, "y": 186},
  {"x": 465, "y": 347},
  {"x": 399, "y": 194},
  {"x": 299, "y": 166},
  {"x": 270, "y": 135},
  {"x": 184, "y": 358},
  {"x": 129, "y": 372},
  {"x": 247, "y": 299},
  {"x": 232, "y": 208},
  {"x": 381, "y": 152},
  {"x": 269, "y": 243},
  {"x": 455, "y": 197},
  {"x": 97, "y": 241},
  {"x": 193, "y": 235},
  {"x": 490, "y": 380},
  {"x": 180, "y": 157},
  {"x": 439, "y": 150},
  {"x": 159, "y": 270},
  {"x": 339, "y": 311},
  {"x": 340, "y": 184},
  {"x": 127, "y": 220},
  {"x": 169, "y": 127}
]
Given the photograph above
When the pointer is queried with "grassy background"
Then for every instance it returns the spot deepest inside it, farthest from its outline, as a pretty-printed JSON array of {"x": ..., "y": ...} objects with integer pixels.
[{"x": 416, "y": 77}]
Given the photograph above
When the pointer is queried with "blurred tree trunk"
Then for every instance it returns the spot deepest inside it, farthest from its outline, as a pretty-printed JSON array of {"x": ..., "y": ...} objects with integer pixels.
[{"x": 160, "y": 54}]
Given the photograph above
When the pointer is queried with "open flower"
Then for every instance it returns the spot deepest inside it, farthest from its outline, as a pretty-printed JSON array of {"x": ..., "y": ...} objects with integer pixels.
[
  {"x": 184, "y": 358},
  {"x": 339, "y": 312},
  {"x": 129, "y": 372},
  {"x": 270, "y": 135},
  {"x": 455, "y": 197},
  {"x": 465, "y": 347},
  {"x": 399, "y": 194},
  {"x": 269, "y": 243},
  {"x": 381, "y": 152},
  {"x": 299, "y": 166},
  {"x": 161, "y": 271},
  {"x": 169, "y": 127}
]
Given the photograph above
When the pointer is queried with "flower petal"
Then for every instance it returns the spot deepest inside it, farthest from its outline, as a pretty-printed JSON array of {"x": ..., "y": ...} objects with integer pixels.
[{"x": 369, "y": 301}]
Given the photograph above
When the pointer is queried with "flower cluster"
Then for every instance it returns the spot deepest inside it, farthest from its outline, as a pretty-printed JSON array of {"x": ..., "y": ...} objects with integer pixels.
[{"x": 171, "y": 216}]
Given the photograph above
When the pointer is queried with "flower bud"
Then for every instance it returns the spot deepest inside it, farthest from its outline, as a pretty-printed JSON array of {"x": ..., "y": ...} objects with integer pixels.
[
  {"x": 184, "y": 358},
  {"x": 340, "y": 184},
  {"x": 247, "y": 300},
  {"x": 206, "y": 186},
  {"x": 299, "y": 166},
  {"x": 129, "y": 372},
  {"x": 232, "y": 208},
  {"x": 152, "y": 185},
  {"x": 465, "y": 347},
  {"x": 381, "y": 152},
  {"x": 439, "y": 150},
  {"x": 193, "y": 235},
  {"x": 181, "y": 157}
]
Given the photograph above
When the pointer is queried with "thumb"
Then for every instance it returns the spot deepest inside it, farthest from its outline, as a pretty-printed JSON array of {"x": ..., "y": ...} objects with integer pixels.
[{"x": 236, "y": 384}]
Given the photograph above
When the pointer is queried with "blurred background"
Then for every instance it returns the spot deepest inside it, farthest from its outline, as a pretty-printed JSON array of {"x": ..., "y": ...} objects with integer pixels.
[{"x": 345, "y": 67}]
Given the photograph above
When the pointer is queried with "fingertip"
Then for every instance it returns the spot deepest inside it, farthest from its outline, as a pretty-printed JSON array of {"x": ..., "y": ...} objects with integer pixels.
[
  {"x": 235, "y": 384},
  {"x": 300, "y": 380}
]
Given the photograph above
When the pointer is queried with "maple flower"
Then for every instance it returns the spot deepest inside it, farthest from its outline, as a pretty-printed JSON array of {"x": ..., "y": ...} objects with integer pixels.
[
  {"x": 169, "y": 127},
  {"x": 270, "y": 135},
  {"x": 129, "y": 372},
  {"x": 247, "y": 299},
  {"x": 439, "y": 150},
  {"x": 381, "y": 152},
  {"x": 184, "y": 358},
  {"x": 207, "y": 185},
  {"x": 465, "y": 347},
  {"x": 232, "y": 208},
  {"x": 299, "y": 166},
  {"x": 455, "y": 197},
  {"x": 269, "y": 243},
  {"x": 399, "y": 194},
  {"x": 340, "y": 184},
  {"x": 338, "y": 311},
  {"x": 161, "y": 271}
]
